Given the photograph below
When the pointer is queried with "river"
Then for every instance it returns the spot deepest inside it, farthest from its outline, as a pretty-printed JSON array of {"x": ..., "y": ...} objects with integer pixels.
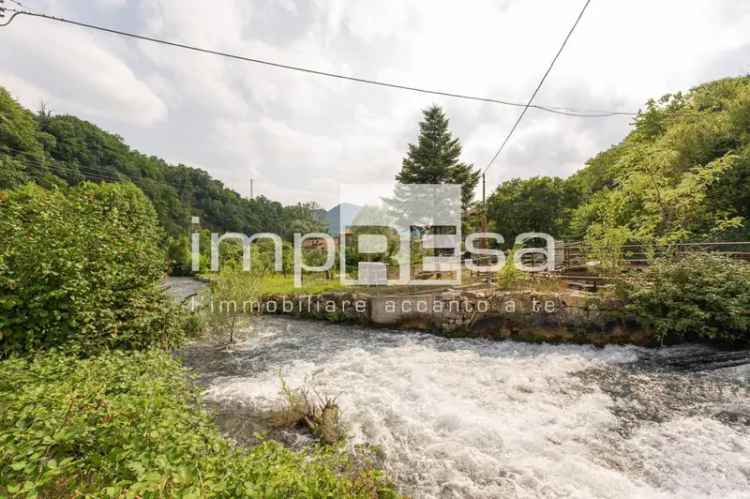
[{"x": 477, "y": 418}]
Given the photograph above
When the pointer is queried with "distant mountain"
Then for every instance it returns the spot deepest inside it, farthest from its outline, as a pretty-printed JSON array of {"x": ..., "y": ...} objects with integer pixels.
[
  {"x": 341, "y": 215},
  {"x": 320, "y": 215}
]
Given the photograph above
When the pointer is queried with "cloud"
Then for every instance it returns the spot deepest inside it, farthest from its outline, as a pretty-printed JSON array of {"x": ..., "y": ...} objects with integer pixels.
[
  {"x": 75, "y": 73},
  {"x": 300, "y": 136}
]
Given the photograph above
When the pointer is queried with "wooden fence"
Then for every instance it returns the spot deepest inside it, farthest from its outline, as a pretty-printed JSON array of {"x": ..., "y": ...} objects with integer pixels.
[{"x": 576, "y": 254}]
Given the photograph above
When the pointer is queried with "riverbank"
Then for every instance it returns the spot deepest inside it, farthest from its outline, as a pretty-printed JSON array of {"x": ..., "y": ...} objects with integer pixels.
[
  {"x": 523, "y": 315},
  {"x": 483, "y": 418},
  {"x": 130, "y": 424},
  {"x": 560, "y": 316}
]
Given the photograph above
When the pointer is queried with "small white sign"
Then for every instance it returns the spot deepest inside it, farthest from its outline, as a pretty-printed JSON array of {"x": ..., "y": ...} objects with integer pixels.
[{"x": 372, "y": 273}]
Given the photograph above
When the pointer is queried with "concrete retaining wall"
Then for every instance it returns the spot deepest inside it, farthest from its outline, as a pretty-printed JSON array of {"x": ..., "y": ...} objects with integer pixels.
[{"x": 523, "y": 315}]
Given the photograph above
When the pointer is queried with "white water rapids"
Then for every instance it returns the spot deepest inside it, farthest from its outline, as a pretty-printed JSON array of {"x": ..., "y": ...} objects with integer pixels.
[{"x": 476, "y": 418}]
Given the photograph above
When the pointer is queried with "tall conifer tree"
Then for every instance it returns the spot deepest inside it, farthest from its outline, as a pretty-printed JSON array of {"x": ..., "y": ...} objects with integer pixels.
[{"x": 435, "y": 159}]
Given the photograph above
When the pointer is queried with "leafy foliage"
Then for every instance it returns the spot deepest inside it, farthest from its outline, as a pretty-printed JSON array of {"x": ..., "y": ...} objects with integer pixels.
[
  {"x": 509, "y": 275},
  {"x": 682, "y": 173},
  {"x": 306, "y": 408},
  {"x": 129, "y": 425},
  {"x": 82, "y": 268},
  {"x": 671, "y": 176},
  {"x": 235, "y": 297},
  {"x": 606, "y": 246},
  {"x": 697, "y": 295},
  {"x": 539, "y": 204}
]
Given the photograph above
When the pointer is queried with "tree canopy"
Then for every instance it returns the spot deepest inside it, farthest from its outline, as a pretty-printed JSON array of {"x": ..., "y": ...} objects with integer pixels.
[
  {"x": 436, "y": 157},
  {"x": 539, "y": 204},
  {"x": 681, "y": 174},
  {"x": 65, "y": 150}
]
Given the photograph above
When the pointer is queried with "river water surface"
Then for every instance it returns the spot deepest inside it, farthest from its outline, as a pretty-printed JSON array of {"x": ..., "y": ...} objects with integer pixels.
[{"x": 476, "y": 418}]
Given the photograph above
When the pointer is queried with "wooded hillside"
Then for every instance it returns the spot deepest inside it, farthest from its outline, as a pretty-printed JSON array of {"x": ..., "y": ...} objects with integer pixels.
[
  {"x": 65, "y": 150},
  {"x": 681, "y": 174}
]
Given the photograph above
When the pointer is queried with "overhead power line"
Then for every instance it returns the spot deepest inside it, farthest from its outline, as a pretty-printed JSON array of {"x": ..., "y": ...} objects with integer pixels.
[
  {"x": 4, "y": 9},
  {"x": 538, "y": 87},
  {"x": 551, "y": 109}
]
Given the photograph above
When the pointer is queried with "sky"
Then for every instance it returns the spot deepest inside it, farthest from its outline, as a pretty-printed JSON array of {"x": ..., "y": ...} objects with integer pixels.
[{"x": 300, "y": 137}]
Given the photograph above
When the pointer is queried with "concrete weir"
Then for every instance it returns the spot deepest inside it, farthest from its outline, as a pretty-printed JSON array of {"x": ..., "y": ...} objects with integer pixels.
[{"x": 574, "y": 317}]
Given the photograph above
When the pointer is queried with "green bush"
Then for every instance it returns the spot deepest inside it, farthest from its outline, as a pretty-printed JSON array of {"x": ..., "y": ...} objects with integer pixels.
[
  {"x": 607, "y": 247},
  {"x": 509, "y": 274},
  {"x": 697, "y": 295},
  {"x": 179, "y": 256},
  {"x": 82, "y": 268},
  {"x": 128, "y": 424},
  {"x": 235, "y": 297}
]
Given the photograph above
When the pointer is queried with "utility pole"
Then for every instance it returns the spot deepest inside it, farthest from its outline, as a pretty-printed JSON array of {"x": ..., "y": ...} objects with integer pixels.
[
  {"x": 252, "y": 196},
  {"x": 484, "y": 211}
]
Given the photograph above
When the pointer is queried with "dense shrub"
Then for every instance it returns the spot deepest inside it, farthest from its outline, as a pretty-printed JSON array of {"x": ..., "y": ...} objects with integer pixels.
[
  {"x": 129, "y": 425},
  {"x": 82, "y": 268},
  {"x": 235, "y": 296},
  {"x": 699, "y": 295}
]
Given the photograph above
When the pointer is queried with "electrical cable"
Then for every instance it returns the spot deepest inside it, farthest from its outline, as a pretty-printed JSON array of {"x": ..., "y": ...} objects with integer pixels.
[
  {"x": 538, "y": 87},
  {"x": 550, "y": 109}
]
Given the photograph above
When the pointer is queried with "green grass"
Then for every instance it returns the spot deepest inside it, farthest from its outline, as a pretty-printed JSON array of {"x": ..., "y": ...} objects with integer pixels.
[{"x": 278, "y": 284}]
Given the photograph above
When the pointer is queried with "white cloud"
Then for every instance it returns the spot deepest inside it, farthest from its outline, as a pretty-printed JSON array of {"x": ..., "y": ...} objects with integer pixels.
[
  {"x": 76, "y": 74},
  {"x": 301, "y": 135}
]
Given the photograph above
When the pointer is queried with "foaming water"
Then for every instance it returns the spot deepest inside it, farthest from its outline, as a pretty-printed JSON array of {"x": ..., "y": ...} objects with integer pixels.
[{"x": 474, "y": 418}]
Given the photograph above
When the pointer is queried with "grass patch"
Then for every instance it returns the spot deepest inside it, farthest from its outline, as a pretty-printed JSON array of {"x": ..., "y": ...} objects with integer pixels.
[
  {"x": 130, "y": 425},
  {"x": 312, "y": 284},
  {"x": 307, "y": 409},
  {"x": 279, "y": 284}
]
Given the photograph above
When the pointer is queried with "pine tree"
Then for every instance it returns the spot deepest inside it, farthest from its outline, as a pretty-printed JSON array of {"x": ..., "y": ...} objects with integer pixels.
[{"x": 435, "y": 159}]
